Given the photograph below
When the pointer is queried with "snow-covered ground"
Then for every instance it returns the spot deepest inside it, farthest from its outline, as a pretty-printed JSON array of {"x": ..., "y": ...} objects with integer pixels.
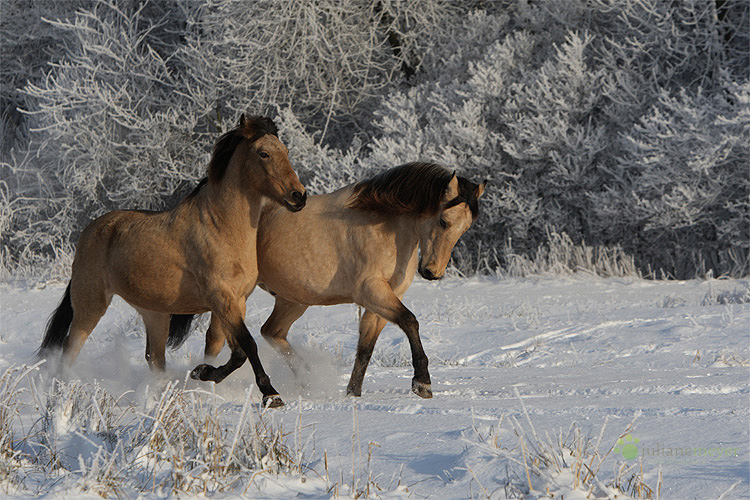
[{"x": 534, "y": 357}]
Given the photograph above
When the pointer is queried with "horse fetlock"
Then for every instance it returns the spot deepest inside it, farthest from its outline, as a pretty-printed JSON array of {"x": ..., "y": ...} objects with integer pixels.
[
  {"x": 264, "y": 384},
  {"x": 421, "y": 389},
  {"x": 420, "y": 366}
]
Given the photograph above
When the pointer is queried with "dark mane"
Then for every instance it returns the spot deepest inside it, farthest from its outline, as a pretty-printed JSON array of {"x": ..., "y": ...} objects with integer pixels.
[
  {"x": 194, "y": 192},
  {"x": 467, "y": 193},
  {"x": 414, "y": 188},
  {"x": 251, "y": 128}
]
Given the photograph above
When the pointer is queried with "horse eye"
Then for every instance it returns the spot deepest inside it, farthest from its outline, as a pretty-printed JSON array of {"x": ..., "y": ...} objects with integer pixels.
[
  {"x": 263, "y": 154},
  {"x": 443, "y": 224}
]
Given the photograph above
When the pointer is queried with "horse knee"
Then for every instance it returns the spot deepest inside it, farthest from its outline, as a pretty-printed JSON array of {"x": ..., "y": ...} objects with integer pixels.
[{"x": 407, "y": 321}]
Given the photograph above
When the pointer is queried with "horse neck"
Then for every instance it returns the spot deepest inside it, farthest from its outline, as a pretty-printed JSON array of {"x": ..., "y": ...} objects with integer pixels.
[
  {"x": 407, "y": 236},
  {"x": 234, "y": 205}
]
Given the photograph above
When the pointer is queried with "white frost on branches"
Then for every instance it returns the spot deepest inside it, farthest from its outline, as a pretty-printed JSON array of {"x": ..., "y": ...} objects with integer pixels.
[{"x": 621, "y": 124}]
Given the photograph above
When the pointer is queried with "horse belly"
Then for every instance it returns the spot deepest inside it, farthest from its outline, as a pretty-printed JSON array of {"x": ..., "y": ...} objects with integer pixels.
[
  {"x": 156, "y": 289},
  {"x": 305, "y": 292}
]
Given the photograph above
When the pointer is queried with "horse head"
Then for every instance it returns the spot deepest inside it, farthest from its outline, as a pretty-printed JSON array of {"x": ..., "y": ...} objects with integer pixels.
[
  {"x": 439, "y": 232},
  {"x": 262, "y": 159}
]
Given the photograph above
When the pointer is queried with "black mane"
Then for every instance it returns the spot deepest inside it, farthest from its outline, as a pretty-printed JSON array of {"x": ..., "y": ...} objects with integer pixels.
[
  {"x": 413, "y": 188},
  {"x": 251, "y": 128}
]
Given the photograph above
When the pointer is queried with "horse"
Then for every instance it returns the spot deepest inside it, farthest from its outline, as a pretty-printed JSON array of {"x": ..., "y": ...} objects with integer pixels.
[
  {"x": 359, "y": 244},
  {"x": 198, "y": 257}
]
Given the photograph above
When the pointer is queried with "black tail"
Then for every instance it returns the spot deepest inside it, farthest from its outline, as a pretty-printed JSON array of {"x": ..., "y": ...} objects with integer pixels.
[
  {"x": 179, "y": 329},
  {"x": 58, "y": 325}
]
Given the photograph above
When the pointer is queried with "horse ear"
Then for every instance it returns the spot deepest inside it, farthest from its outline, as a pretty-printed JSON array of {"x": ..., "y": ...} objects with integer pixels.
[
  {"x": 243, "y": 121},
  {"x": 451, "y": 191},
  {"x": 480, "y": 188}
]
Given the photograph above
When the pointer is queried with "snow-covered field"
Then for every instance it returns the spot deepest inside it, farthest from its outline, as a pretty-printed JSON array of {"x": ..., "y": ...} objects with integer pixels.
[{"x": 520, "y": 369}]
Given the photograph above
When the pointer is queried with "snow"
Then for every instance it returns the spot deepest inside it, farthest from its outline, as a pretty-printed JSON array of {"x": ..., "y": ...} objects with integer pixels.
[{"x": 596, "y": 354}]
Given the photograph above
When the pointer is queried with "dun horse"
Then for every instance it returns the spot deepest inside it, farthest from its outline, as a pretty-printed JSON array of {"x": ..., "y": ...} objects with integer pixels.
[
  {"x": 359, "y": 244},
  {"x": 198, "y": 257}
]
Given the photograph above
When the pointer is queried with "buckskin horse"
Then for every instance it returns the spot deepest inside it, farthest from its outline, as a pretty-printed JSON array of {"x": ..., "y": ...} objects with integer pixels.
[
  {"x": 198, "y": 257},
  {"x": 359, "y": 244}
]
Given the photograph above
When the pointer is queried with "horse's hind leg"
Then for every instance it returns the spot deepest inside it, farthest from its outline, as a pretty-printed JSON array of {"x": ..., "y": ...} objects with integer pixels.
[
  {"x": 157, "y": 332},
  {"x": 89, "y": 305},
  {"x": 276, "y": 328},
  {"x": 215, "y": 338},
  {"x": 370, "y": 327},
  {"x": 377, "y": 296}
]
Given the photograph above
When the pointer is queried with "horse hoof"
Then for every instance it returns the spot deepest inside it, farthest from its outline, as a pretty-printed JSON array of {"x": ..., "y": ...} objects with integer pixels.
[
  {"x": 201, "y": 372},
  {"x": 353, "y": 393},
  {"x": 273, "y": 401},
  {"x": 421, "y": 389}
]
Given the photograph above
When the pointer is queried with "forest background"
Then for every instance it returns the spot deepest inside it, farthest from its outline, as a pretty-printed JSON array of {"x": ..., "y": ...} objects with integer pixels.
[{"x": 615, "y": 134}]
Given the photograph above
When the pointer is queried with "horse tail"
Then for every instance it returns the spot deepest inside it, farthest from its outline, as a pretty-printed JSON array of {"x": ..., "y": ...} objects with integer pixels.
[
  {"x": 58, "y": 325},
  {"x": 179, "y": 329}
]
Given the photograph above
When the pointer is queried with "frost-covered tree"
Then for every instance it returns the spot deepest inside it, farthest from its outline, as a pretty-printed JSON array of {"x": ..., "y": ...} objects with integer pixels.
[
  {"x": 108, "y": 128},
  {"x": 139, "y": 90},
  {"x": 688, "y": 204},
  {"x": 610, "y": 123},
  {"x": 554, "y": 103},
  {"x": 28, "y": 44},
  {"x": 326, "y": 61}
]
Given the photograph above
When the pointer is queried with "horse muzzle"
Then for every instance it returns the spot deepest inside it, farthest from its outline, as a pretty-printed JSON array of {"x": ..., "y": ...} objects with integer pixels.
[
  {"x": 427, "y": 274},
  {"x": 299, "y": 200}
]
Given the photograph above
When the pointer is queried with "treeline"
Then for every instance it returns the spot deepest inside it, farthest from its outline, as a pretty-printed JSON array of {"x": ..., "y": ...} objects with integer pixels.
[{"x": 623, "y": 125}]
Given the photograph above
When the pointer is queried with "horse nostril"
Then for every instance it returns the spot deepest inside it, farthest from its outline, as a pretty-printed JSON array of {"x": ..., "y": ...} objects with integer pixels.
[
  {"x": 298, "y": 197},
  {"x": 427, "y": 274}
]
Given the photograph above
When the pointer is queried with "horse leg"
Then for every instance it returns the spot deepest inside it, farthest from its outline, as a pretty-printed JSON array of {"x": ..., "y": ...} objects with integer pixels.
[
  {"x": 243, "y": 346},
  {"x": 89, "y": 305},
  {"x": 377, "y": 296},
  {"x": 215, "y": 338},
  {"x": 370, "y": 327},
  {"x": 276, "y": 328},
  {"x": 208, "y": 373},
  {"x": 157, "y": 331}
]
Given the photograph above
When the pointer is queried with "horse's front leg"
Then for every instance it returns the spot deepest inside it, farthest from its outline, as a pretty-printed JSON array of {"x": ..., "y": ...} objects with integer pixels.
[
  {"x": 215, "y": 337},
  {"x": 377, "y": 296},
  {"x": 230, "y": 312},
  {"x": 370, "y": 327}
]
